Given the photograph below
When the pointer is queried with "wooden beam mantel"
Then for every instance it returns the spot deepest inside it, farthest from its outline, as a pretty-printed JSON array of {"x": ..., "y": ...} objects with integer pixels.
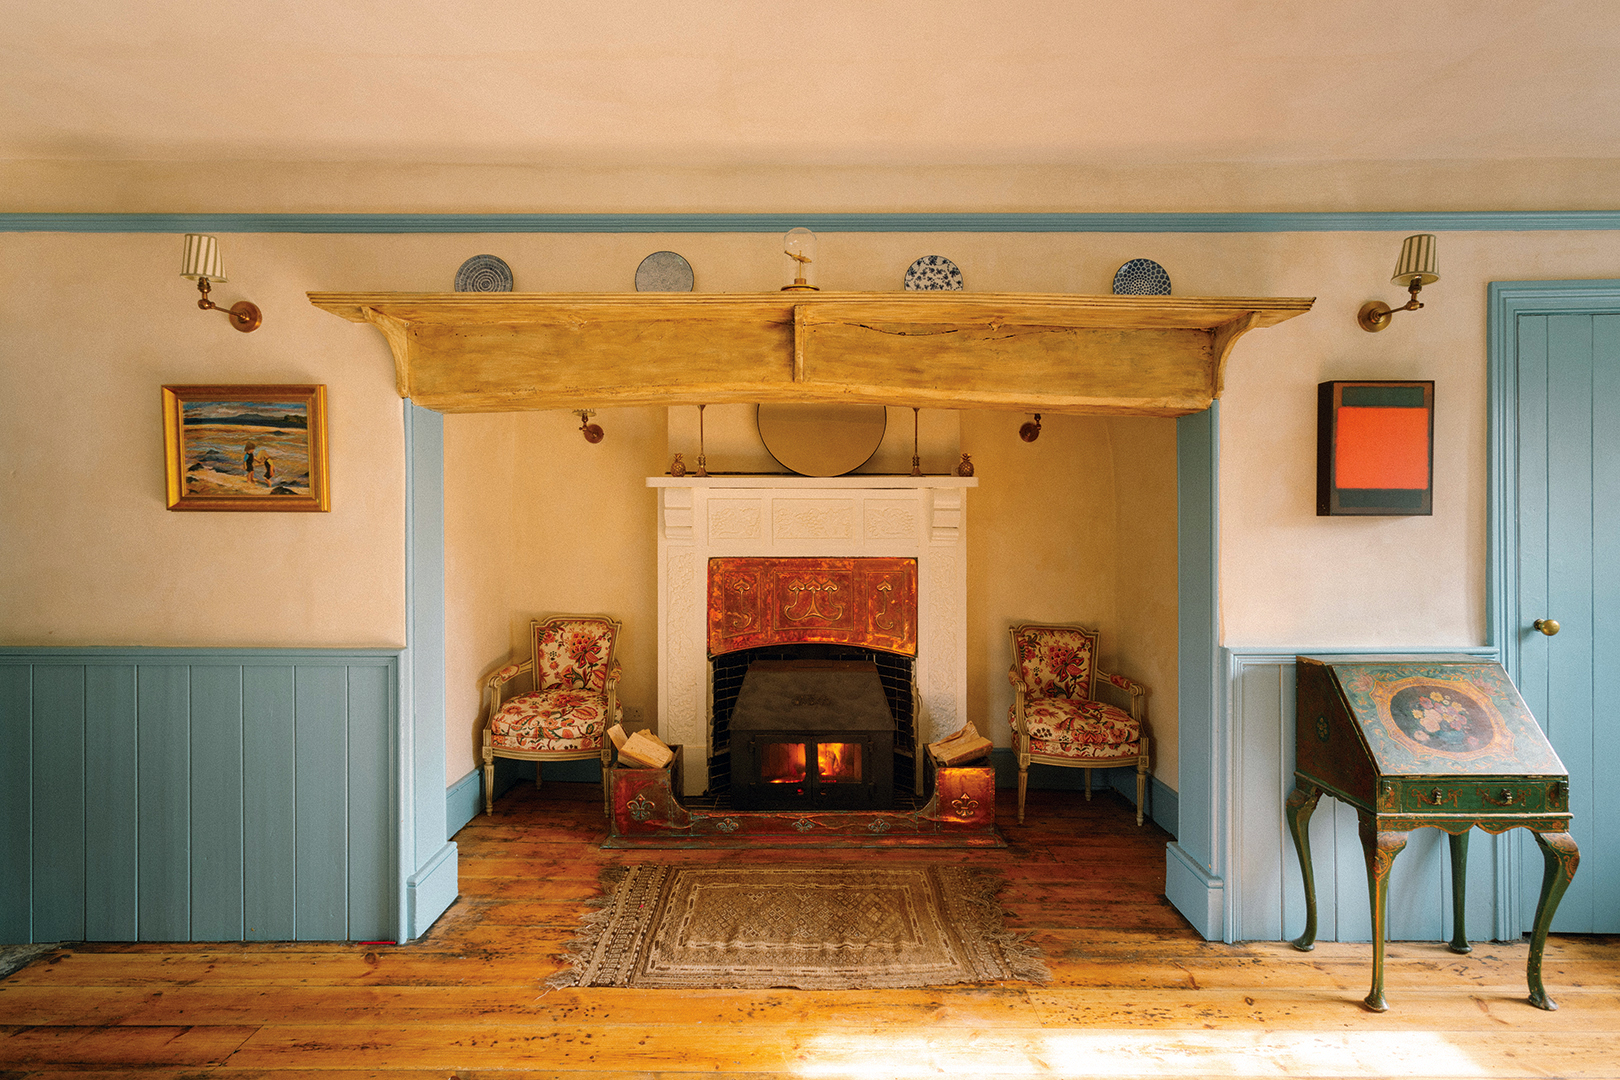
[{"x": 493, "y": 352}]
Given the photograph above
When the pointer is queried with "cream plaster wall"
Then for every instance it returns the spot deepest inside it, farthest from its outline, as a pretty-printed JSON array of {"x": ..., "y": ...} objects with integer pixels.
[
  {"x": 1289, "y": 578},
  {"x": 91, "y": 327},
  {"x": 539, "y": 522}
]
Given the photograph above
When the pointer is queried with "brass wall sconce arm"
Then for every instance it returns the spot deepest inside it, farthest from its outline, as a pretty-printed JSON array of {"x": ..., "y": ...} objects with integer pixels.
[
  {"x": 201, "y": 263},
  {"x": 1375, "y": 314},
  {"x": 1417, "y": 267},
  {"x": 244, "y": 314}
]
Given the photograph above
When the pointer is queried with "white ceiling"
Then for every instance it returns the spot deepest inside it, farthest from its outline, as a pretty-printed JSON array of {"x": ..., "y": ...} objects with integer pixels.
[{"x": 809, "y": 82}]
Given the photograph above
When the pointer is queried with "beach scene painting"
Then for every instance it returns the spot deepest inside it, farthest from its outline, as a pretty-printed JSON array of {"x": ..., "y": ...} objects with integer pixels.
[{"x": 245, "y": 447}]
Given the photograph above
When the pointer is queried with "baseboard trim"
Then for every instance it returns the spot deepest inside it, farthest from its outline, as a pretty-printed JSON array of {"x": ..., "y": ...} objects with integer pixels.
[
  {"x": 1195, "y": 892},
  {"x": 431, "y": 890},
  {"x": 463, "y": 801}
]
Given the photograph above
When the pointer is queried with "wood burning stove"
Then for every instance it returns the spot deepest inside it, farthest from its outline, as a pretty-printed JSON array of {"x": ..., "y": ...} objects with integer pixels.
[{"x": 812, "y": 735}]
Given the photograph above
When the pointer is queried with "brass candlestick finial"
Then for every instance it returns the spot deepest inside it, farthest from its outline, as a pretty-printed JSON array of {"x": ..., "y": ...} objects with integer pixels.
[{"x": 702, "y": 462}]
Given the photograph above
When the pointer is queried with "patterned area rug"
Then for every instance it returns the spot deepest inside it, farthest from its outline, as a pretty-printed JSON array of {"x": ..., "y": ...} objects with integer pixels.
[{"x": 698, "y": 927}]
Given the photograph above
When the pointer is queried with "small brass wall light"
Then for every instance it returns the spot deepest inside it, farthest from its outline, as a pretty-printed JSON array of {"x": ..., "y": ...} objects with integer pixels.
[
  {"x": 592, "y": 432},
  {"x": 1417, "y": 267},
  {"x": 201, "y": 263},
  {"x": 1031, "y": 429}
]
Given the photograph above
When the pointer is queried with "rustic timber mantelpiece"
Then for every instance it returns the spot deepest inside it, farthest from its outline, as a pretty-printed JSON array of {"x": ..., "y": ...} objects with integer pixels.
[{"x": 1060, "y": 353}]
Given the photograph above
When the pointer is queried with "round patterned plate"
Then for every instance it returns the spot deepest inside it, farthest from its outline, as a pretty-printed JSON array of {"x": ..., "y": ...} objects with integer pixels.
[
  {"x": 1141, "y": 277},
  {"x": 664, "y": 271},
  {"x": 933, "y": 272},
  {"x": 484, "y": 273}
]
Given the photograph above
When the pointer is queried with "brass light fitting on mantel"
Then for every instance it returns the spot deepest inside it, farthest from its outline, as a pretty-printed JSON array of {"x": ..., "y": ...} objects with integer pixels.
[
  {"x": 1417, "y": 267},
  {"x": 800, "y": 246},
  {"x": 592, "y": 432}
]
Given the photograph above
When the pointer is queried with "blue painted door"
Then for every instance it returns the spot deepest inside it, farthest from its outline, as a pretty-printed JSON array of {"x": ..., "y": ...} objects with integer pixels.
[{"x": 1569, "y": 571}]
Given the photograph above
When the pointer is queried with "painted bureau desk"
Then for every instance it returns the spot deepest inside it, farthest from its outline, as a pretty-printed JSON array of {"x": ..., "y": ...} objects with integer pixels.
[{"x": 1427, "y": 742}]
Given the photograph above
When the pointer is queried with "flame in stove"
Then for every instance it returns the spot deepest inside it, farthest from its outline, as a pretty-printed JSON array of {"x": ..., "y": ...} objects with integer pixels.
[
  {"x": 837, "y": 762},
  {"x": 782, "y": 763},
  {"x": 785, "y": 763}
]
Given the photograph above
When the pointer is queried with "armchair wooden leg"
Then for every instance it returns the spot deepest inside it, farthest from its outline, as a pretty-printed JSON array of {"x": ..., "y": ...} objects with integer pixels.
[
  {"x": 489, "y": 776},
  {"x": 1023, "y": 785},
  {"x": 1087, "y": 774},
  {"x": 1141, "y": 787}
]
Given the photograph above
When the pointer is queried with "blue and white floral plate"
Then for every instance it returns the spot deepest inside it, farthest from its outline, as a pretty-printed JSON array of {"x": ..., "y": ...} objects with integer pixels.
[{"x": 933, "y": 272}]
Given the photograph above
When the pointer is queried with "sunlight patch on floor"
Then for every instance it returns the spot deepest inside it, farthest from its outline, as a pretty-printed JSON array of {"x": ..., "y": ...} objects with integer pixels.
[{"x": 1138, "y": 1054}]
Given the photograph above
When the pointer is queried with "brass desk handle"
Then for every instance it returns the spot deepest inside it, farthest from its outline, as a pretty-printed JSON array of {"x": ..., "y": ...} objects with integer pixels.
[
  {"x": 1436, "y": 795},
  {"x": 1546, "y": 626}
]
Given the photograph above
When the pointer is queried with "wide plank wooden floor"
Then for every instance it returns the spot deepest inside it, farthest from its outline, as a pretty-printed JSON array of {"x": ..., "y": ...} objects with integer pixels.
[{"x": 1135, "y": 992}]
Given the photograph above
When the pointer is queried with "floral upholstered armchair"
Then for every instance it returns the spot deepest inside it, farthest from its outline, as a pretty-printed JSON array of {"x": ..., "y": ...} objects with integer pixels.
[
  {"x": 1055, "y": 716},
  {"x": 573, "y": 703}
]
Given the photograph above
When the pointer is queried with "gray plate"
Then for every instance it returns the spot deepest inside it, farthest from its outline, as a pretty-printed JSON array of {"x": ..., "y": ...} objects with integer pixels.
[
  {"x": 484, "y": 273},
  {"x": 664, "y": 271}
]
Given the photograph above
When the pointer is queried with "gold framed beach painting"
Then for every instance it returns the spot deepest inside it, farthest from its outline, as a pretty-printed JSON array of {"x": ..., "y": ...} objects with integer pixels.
[{"x": 260, "y": 447}]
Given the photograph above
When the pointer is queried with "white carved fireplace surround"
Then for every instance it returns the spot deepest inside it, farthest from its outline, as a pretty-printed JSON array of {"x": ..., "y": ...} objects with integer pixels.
[{"x": 908, "y": 517}]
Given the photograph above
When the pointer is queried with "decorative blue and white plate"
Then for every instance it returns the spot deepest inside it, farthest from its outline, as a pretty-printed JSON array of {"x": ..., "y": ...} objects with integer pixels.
[
  {"x": 933, "y": 272},
  {"x": 664, "y": 271},
  {"x": 484, "y": 273},
  {"x": 1141, "y": 277}
]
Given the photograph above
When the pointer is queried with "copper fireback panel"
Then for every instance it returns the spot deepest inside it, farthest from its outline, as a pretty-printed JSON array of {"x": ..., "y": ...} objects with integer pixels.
[{"x": 865, "y": 602}]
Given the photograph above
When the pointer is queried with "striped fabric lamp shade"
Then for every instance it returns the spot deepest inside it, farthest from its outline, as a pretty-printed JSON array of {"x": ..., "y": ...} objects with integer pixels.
[
  {"x": 1417, "y": 265},
  {"x": 201, "y": 259}
]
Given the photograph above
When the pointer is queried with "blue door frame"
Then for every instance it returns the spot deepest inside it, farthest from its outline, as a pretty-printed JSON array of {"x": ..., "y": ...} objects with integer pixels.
[{"x": 1509, "y": 301}]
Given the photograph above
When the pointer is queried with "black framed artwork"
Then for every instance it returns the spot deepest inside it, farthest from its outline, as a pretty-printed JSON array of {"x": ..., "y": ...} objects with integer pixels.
[{"x": 1375, "y": 448}]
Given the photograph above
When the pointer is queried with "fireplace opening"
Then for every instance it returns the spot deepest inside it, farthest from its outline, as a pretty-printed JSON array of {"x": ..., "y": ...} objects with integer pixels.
[
  {"x": 894, "y": 675},
  {"x": 812, "y": 735}
]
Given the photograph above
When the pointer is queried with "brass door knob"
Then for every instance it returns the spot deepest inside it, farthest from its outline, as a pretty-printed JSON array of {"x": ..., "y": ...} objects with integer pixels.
[{"x": 1546, "y": 626}]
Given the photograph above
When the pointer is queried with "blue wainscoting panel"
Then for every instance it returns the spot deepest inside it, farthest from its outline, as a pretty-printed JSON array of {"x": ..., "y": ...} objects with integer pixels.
[
  {"x": 269, "y": 805},
  {"x": 370, "y": 813},
  {"x": 16, "y": 803},
  {"x": 163, "y": 815},
  {"x": 320, "y": 701},
  {"x": 109, "y": 817},
  {"x": 216, "y": 803},
  {"x": 59, "y": 801},
  {"x": 202, "y": 795}
]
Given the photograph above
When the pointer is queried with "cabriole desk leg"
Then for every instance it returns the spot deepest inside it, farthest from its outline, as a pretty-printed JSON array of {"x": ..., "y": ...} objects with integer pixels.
[
  {"x": 1459, "y": 891},
  {"x": 1561, "y": 857},
  {"x": 1379, "y": 848},
  {"x": 1300, "y": 806}
]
